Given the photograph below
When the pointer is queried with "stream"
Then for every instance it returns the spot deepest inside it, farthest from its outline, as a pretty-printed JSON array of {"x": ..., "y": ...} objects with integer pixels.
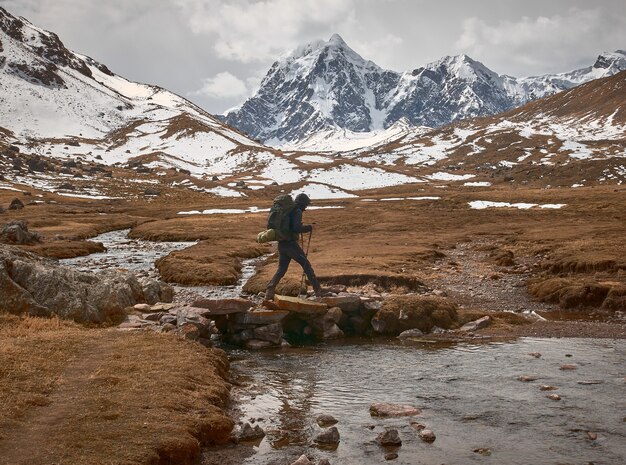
[{"x": 470, "y": 394}]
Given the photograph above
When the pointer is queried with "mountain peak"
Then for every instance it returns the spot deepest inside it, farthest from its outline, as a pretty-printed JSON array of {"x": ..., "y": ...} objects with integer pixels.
[{"x": 336, "y": 39}]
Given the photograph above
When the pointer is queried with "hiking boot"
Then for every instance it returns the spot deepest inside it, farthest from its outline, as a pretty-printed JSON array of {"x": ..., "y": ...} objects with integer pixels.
[{"x": 269, "y": 293}]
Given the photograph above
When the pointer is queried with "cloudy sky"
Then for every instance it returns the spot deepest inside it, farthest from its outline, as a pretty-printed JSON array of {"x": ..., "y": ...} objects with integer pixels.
[{"x": 215, "y": 52}]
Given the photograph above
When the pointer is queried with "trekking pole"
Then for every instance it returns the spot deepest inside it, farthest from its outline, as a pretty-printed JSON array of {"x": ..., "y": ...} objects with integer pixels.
[{"x": 306, "y": 254}]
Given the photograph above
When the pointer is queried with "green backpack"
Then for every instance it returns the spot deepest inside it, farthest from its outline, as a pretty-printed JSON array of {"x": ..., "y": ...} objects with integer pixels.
[{"x": 279, "y": 218}]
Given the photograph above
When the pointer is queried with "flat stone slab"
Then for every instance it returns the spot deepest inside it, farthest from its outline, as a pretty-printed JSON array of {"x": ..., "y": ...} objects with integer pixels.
[
  {"x": 223, "y": 306},
  {"x": 260, "y": 317},
  {"x": 384, "y": 409},
  {"x": 296, "y": 305}
]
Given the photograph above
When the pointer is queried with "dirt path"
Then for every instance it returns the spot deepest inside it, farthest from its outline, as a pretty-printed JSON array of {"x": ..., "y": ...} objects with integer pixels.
[
  {"x": 34, "y": 442},
  {"x": 469, "y": 277}
]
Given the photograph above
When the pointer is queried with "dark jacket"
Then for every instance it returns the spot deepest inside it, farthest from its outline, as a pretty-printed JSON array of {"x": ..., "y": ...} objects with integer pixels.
[{"x": 295, "y": 224}]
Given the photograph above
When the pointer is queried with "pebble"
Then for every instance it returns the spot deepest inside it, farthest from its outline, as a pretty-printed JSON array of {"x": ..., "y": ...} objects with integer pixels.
[
  {"x": 547, "y": 387},
  {"x": 592, "y": 436},
  {"x": 568, "y": 366},
  {"x": 534, "y": 354},
  {"x": 554, "y": 397},
  {"x": 427, "y": 435},
  {"x": 142, "y": 307},
  {"x": 591, "y": 382},
  {"x": 483, "y": 451},
  {"x": 527, "y": 379},
  {"x": 391, "y": 456}
]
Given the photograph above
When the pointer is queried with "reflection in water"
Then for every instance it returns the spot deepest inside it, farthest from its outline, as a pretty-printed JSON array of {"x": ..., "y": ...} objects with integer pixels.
[{"x": 470, "y": 396}]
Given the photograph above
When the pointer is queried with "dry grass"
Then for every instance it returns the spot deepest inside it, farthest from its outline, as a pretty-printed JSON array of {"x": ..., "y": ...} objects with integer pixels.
[{"x": 101, "y": 397}]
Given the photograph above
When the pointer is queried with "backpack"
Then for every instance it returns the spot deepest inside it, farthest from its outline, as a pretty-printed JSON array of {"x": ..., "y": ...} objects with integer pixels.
[{"x": 279, "y": 218}]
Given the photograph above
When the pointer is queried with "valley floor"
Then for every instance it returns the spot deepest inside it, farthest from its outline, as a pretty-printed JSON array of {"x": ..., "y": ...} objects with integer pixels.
[{"x": 150, "y": 398}]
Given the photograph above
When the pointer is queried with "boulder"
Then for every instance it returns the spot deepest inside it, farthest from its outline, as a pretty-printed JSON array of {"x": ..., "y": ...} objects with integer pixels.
[
  {"x": 33, "y": 285},
  {"x": 477, "y": 324},
  {"x": 188, "y": 331},
  {"x": 384, "y": 409},
  {"x": 389, "y": 437},
  {"x": 16, "y": 204},
  {"x": 223, "y": 306},
  {"x": 271, "y": 333},
  {"x": 16, "y": 232},
  {"x": 156, "y": 291},
  {"x": 203, "y": 324},
  {"x": 402, "y": 312},
  {"x": 348, "y": 303},
  {"x": 329, "y": 436},
  {"x": 300, "y": 306}
]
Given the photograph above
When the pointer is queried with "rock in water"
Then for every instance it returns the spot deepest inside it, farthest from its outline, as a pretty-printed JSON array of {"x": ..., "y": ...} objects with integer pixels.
[
  {"x": 477, "y": 324},
  {"x": 389, "y": 437},
  {"x": 296, "y": 305},
  {"x": 427, "y": 435},
  {"x": 249, "y": 433},
  {"x": 384, "y": 409},
  {"x": 324, "y": 420},
  {"x": 329, "y": 436},
  {"x": 410, "y": 333},
  {"x": 302, "y": 460}
]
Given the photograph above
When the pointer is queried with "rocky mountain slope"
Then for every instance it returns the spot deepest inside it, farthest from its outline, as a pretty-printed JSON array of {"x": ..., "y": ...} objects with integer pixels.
[
  {"x": 64, "y": 104},
  {"x": 573, "y": 138},
  {"x": 326, "y": 86}
]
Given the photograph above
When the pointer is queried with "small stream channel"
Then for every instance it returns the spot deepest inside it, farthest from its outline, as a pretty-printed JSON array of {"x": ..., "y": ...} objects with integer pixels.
[{"x": 470, "y": 394}]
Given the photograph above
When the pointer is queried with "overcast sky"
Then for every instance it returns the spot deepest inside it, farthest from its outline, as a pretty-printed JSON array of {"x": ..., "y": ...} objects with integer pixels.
[{"x": 215, "y": 52}]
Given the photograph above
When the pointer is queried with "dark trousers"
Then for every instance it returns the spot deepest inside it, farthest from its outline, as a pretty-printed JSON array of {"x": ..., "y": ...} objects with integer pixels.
[{"x": 291, "y": 250}]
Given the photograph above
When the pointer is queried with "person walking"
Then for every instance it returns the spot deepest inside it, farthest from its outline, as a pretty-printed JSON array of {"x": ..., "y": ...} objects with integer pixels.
[{"x": 289, "y": 249}]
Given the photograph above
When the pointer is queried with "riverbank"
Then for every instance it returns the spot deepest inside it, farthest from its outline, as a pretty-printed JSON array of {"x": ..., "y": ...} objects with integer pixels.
[{"x": 75, "y": 395}]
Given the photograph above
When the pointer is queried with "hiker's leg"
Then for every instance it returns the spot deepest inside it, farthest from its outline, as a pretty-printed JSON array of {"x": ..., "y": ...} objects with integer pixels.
[
  {"x": 298, "y": 255},
  {"x": 283, "y": 264}
]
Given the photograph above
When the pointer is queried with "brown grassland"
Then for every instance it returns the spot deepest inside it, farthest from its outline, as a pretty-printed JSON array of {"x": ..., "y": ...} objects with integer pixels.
[{"x": 151, "y": 398}]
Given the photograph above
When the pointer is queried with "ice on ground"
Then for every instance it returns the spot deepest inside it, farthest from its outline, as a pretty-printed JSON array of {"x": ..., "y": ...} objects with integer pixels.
[
  {"x": 352, "y": 177},
  {"x": 239, "y": 211},
  {"x": 392, "y": 199},
  {"x": 225, "y": 192},
  {"x": 87, "y": 196},
  {"x": 482, "y": 204},
  {"x": 477, "y": 184},
  {"x": 321, "y": 191},
  {"x": 442, "y": 176}
]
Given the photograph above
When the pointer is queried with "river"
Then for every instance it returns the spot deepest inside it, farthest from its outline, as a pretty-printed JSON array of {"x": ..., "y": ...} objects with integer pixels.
[{"x": 470, "y": 394}]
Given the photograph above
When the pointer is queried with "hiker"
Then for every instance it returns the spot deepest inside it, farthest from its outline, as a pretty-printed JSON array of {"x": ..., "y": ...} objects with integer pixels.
[{"x": 289, "y": 249}]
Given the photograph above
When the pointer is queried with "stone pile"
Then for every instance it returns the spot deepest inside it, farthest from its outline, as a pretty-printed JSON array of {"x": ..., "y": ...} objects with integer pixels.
[{"x": 37, "y": 286}]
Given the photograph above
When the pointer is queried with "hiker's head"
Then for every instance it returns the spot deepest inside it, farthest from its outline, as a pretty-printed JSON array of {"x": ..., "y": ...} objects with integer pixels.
[{"x": 302, "y": 200}]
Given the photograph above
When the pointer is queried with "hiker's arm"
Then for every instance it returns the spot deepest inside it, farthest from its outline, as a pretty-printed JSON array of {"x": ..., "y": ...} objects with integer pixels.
[{"x": 297, "y": 225}]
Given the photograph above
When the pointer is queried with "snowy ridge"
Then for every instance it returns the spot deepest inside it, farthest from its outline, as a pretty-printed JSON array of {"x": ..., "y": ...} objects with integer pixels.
[
  {"x": 323, "y": 88},
  {"x": 64, "y": 104}
]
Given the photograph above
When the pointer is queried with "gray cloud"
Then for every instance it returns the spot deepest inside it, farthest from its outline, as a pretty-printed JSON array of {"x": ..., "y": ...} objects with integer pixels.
[{"x": 215, "y": 52}]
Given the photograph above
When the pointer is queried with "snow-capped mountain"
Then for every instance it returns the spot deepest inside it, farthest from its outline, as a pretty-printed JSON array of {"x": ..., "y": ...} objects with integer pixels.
[
  {"x": 325, "y": 86},
  {"x": 61, "y": 103}
]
